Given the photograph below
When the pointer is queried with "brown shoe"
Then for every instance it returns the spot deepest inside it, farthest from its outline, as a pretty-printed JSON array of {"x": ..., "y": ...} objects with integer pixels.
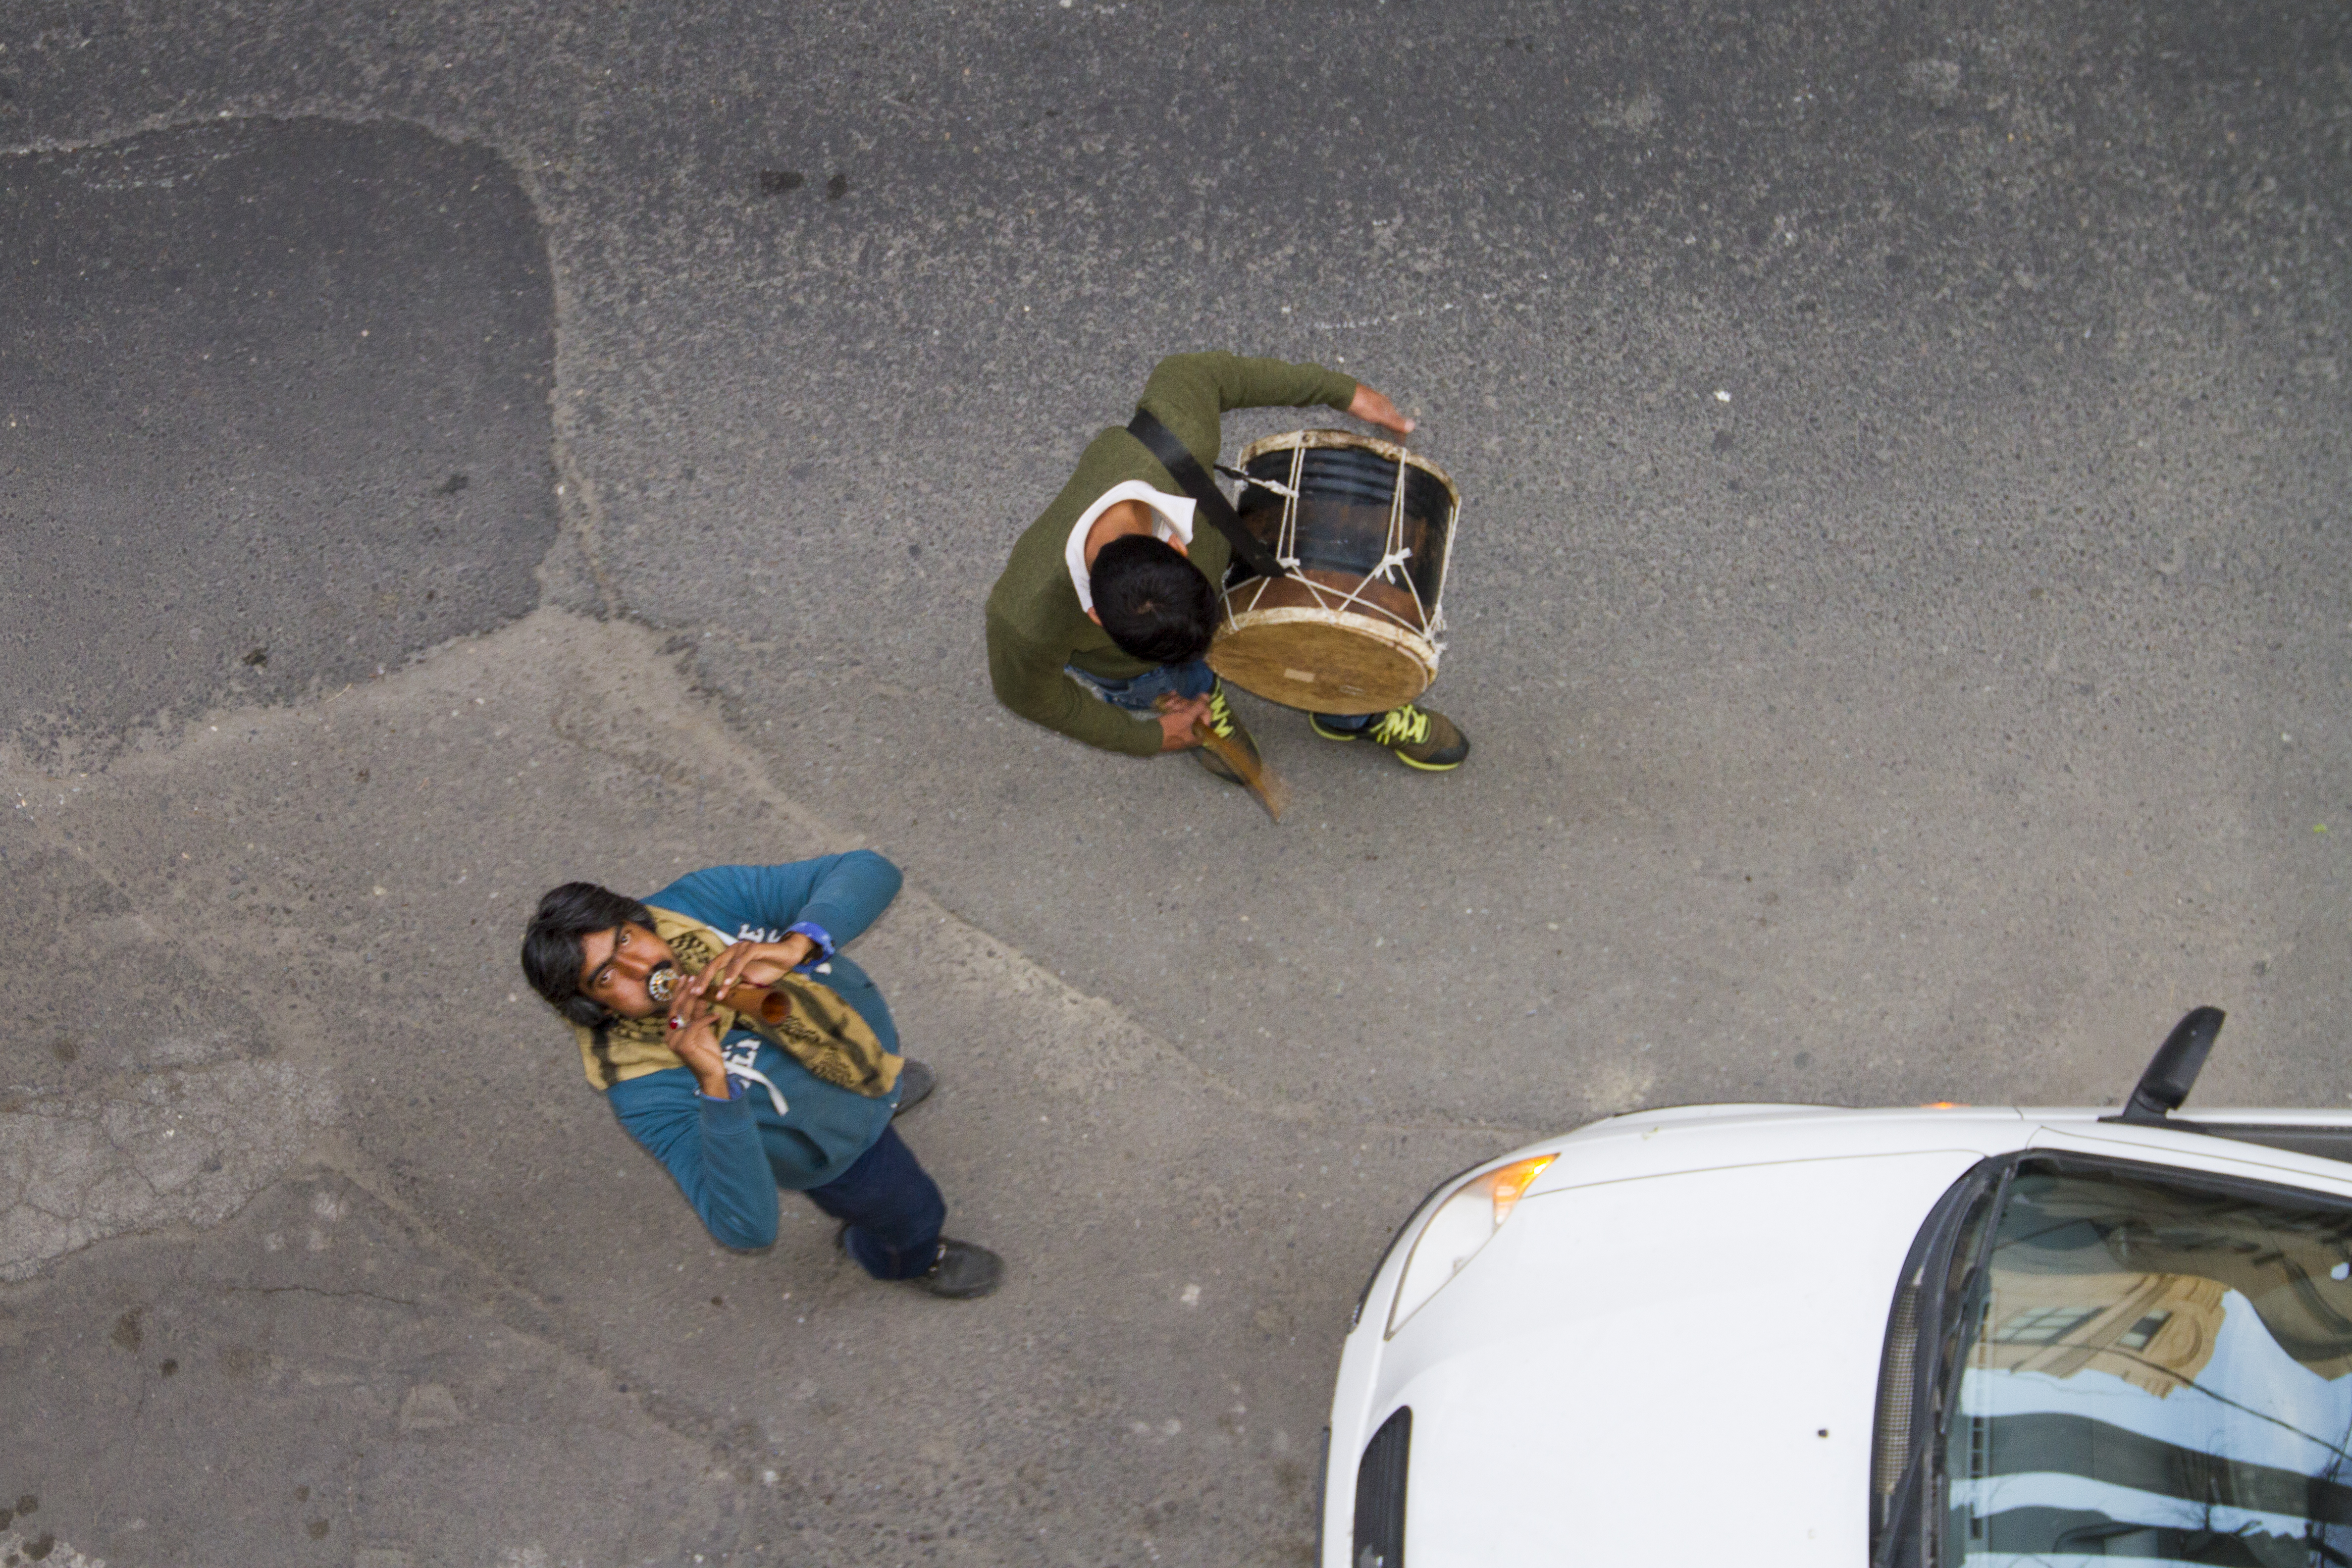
[
  {"x": 1421, "y": 737},
  {"x": 1222, "y": 720}
]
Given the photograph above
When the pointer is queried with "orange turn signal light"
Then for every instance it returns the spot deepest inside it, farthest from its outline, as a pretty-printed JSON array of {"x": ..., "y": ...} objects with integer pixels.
[{"x": 1512, "y": 1181}]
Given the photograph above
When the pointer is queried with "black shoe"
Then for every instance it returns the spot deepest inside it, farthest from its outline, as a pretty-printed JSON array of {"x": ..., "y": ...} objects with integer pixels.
[
  {"x": 916, "y": 1082},
  {"x": 962, "y": 1270}
]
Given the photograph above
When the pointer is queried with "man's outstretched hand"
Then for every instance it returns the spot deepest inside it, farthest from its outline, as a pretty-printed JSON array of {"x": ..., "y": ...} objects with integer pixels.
[{"x": 1374, "y": 408}]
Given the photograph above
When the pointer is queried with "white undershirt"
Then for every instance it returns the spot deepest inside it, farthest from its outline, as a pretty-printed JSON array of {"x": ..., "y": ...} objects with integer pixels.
[{"x": 1172, "y": 519}]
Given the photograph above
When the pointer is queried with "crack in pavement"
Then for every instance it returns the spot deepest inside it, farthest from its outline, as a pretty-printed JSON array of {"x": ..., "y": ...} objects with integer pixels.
[{"x": 315, "y": 1290}]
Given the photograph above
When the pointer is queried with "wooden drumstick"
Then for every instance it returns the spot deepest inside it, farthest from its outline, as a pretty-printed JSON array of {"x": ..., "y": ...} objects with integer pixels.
[
  {"x": 1260, "y": 779},
  {"x": 1263, "y": 782}
]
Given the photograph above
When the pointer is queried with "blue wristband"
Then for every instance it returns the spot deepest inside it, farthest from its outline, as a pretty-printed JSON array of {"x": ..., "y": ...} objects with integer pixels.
[{"x": 817, "y": 935}]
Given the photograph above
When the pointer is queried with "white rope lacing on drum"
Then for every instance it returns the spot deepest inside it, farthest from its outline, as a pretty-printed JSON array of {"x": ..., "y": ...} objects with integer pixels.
[
  {"x": 1249, "y": 478},
  {"x": 1394, "y": 553},
  {"x": 1285, "y": 549},
  {"x": 1327, "y": 598},
  {"x": 1398, "y": 552},
  {"x": 1393, "y": 557}
]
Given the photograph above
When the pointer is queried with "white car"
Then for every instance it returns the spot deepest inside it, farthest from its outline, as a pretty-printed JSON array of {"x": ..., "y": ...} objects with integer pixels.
[{"x": 1794, "y": 1334}]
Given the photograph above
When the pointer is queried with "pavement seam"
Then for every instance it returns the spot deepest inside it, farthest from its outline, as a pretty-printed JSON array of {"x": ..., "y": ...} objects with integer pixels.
[
  {"x": 575, "y": 494},
  {"x": 324, "y": 1294},
  {"x": 709, "y": 720},
  {"x": 912, "y": 902}
]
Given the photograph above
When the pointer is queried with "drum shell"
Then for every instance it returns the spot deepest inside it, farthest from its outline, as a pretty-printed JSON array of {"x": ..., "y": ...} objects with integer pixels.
[
  {"x": 1345, "y": 497},
  {"x": 1339, "y": 636}
]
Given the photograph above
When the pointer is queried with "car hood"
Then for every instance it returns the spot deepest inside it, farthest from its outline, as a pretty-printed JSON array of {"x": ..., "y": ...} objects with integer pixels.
[{"x": 1651, "y": 1369}]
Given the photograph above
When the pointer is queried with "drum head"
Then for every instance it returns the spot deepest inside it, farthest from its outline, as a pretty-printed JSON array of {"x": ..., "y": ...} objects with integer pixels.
[{"x": 1323, "y": 661}]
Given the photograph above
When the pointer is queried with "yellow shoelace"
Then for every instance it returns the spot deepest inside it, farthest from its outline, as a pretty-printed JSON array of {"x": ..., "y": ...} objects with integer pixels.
[{"x": 1405, "y": 726}]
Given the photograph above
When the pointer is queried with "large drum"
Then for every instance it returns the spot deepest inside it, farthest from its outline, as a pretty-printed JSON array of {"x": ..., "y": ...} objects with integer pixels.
[{"x": 1364, "y": 527}]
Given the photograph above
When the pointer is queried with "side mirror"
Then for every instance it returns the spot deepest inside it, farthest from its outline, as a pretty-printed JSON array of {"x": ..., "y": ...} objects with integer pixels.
[{"x": 2173, "y": 1070}]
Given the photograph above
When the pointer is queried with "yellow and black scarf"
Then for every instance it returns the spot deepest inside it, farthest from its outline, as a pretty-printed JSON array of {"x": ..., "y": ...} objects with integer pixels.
[{"x": 823, "y": 1032}]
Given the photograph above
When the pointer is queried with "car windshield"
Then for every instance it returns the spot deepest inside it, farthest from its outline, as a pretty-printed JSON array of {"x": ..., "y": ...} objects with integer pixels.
[{"x": 2155, "y": 1373}]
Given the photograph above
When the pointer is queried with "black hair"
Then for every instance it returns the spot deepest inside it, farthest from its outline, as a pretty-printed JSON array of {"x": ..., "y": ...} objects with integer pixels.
[
  {"x": 551, "y": 953},
  {"x": 1154, "y": 604}
]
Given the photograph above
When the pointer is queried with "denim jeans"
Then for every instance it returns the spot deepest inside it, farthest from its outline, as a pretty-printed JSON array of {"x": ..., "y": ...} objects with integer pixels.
[
  {"x": 894, "y": 1209},
  {"x": 1141, "y": 693}
]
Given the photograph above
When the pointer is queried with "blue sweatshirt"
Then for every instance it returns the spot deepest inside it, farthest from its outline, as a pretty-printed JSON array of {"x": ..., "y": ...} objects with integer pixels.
[{"x": 730, "y": 1156}]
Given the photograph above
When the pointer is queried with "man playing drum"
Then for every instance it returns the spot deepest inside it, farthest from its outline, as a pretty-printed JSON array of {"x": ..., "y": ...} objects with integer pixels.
[{"x": 1100, "y": 624}]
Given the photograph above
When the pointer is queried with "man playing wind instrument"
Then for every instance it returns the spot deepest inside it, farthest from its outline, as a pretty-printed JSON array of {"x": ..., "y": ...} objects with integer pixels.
[{"x": 737, "y": 1105}]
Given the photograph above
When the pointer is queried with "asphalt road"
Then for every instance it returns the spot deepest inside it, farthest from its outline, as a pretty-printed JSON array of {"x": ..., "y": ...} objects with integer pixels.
[
  {"x": 1903, "y": 611},
  {"x": 280, "y": 398}
]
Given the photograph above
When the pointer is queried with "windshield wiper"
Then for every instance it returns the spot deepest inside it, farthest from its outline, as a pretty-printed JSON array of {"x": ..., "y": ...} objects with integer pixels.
[
  {"x": 1942, "y": 1316},
  {"x": 1903, "y": 1500}
]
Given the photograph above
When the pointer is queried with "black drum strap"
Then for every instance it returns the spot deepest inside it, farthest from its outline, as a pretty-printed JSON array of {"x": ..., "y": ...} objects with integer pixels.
[{"x": 1185, "y": 469}]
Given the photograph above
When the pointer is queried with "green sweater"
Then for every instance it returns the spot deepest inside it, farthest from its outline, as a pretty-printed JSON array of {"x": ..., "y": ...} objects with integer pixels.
[{"x": 1035, "y": 624}]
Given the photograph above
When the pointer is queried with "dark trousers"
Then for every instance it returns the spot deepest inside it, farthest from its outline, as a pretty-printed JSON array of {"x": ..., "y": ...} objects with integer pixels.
[{"x": 893, "y": 1208}]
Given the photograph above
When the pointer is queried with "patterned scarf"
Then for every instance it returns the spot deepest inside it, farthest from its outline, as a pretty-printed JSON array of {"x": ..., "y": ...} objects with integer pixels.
[{"x": 822, "y": 1032}]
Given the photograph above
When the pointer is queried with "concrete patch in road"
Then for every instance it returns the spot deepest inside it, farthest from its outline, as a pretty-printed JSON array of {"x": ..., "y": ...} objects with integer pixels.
[
  {"x": 469, "y": 1259},
  {"x": 317, "y": 1382},
  {"x": 137, "y": 1088}
]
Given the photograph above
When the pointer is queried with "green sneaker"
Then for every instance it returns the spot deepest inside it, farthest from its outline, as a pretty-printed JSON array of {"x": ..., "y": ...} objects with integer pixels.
[
  {"x": 1421, "y": 737},
  {"x": 1222, "y": 720}
]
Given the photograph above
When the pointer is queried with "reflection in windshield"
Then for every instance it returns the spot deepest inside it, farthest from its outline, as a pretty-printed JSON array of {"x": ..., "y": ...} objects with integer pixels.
[{"x": 2156, "y": 1374}]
